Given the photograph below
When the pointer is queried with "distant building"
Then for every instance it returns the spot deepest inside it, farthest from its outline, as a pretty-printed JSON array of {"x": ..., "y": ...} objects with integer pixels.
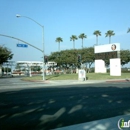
[{"x": 35, "y": 63}]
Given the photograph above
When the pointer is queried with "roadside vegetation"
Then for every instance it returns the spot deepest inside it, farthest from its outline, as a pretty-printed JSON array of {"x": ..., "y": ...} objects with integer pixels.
[{"x": 90, "y": 76}]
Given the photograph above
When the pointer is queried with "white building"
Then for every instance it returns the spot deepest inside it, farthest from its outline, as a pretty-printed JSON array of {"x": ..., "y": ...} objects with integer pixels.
[{"x": 35, "y": 63}]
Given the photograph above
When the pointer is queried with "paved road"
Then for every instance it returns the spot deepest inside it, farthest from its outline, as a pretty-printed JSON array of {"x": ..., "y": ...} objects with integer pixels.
[
  {"x": 7, "y": 84},
  {"x": 46, "y": 108}
]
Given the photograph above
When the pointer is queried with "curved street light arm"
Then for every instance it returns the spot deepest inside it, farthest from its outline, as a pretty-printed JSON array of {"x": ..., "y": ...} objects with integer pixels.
[
  {"x": 17, "y": 15},
  {"x": 22, "y": 41}
]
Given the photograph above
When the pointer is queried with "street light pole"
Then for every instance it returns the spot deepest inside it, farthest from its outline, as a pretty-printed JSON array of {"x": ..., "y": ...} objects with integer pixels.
[{"x": 43, "y": 67}]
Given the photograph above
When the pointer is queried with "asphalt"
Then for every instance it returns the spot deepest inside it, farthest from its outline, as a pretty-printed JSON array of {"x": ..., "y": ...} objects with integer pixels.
[
  {"x": 104, "y": 124},
  {"x": 113, "y": 123}
]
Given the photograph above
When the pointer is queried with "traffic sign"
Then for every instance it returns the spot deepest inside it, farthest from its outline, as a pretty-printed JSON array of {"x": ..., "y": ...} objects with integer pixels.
[{"x": 22, "y": 45}]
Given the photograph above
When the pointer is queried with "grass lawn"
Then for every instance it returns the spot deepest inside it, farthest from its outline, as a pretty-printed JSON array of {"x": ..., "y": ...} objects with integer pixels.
[{"x": 90, "y": 76}]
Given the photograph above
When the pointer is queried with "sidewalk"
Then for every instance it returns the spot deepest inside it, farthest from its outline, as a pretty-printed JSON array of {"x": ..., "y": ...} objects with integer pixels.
[
  {"x": 104, "y": 124},
  {"x": 69, "y": 82}
]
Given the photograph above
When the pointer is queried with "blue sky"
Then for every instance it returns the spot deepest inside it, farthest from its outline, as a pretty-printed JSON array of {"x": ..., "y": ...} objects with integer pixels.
[{"x": 62, "y": 18}]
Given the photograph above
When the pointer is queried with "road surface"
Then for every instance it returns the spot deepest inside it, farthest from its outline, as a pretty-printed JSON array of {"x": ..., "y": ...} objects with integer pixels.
[{"x": 49, "y": 107}]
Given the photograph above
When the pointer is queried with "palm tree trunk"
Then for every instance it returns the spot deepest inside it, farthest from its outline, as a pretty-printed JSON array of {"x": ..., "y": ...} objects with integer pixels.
[
  {"x": 82, "y": 43},
  {"x": 73, "y": 44},
  {"x": 59, "y": 47},
  {"x": 109, "y": 39},
  {"x": 97, "y": 40}
]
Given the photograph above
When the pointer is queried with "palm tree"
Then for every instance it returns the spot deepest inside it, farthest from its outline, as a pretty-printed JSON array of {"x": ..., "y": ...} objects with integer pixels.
[
  {"x": 97, "y": 33},
  {"x": 82, "y": 36},
  {"x": 109, "y": 33},
  {"x": 73, "y": 38},
  {"x": 59, "y": 39},
  {"x": 128, "y": 30}
]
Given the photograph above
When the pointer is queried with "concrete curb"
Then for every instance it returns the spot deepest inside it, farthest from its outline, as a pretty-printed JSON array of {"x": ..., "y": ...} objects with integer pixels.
[
  {"x": 46, "y": 81},
  {"x": 122, "y": 80},
  {"x": 66, "y": 82},
  {"x": 103, "y": 124}
]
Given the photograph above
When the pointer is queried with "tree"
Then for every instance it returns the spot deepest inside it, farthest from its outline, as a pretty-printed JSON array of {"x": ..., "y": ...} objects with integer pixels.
[
  {"x": 73, "y": 38},
  {"x": 69, "y": 58},
  {"x": 59, "y": 39},
  {"x": 6, "y": 69},
  {"x": 82, "y": 36},
  {"x": 97, "y": 33},
  {"x": 128, "y": 30},
  {"x": 5, "y": 54},
  {"x": 109, "y": 33},
  {"x": 64, "y": 57},
  {"x": 88, "y": 57},
  {"x": 125, "y": 57}
]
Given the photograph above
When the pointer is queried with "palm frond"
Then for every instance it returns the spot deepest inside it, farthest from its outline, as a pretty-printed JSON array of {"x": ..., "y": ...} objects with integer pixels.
[
  {"x": 128, "y": 30},
  {"x": 97, "y": 33}
]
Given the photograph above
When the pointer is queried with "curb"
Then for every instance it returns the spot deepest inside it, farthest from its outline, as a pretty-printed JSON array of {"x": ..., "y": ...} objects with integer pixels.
[
  {"x": 81, "y": 82},
  {"x": 36, "y": 81},
  {"x": 125, "y": 80}
]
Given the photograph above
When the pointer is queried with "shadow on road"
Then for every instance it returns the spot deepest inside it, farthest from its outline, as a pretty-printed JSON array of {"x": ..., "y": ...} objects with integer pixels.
[{"x": 49, "y": 108}]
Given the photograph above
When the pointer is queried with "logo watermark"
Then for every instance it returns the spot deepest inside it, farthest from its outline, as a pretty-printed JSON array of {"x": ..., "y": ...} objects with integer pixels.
[{"x": 122, "y": 124}]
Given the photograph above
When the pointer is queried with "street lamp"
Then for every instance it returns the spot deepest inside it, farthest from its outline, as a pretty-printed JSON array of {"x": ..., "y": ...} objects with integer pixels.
[{"x": 17, "y": 15}]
